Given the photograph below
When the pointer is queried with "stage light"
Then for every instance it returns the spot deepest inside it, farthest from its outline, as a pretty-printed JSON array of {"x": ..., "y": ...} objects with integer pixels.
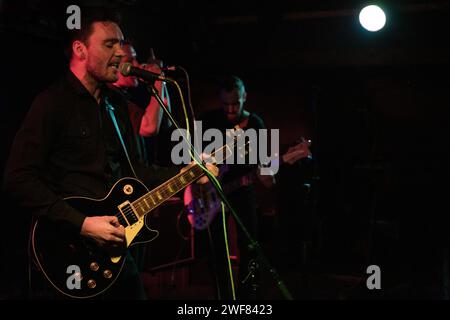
[{"x": 372, "y": 18}]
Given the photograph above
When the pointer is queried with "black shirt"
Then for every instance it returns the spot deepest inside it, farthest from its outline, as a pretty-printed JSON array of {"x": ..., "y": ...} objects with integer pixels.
[{"x": 68, "y": 146}]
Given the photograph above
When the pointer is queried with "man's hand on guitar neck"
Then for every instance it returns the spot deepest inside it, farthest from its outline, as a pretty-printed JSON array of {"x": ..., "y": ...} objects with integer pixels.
[
  {"x": 104, "y": 230},
  {"x": 212, "y": 168},
  {"x": 297, "y": 152}
]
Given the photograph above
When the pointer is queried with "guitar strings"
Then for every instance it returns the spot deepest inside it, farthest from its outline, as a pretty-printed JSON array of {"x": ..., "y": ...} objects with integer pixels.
[{"x": 164, "y": 188}]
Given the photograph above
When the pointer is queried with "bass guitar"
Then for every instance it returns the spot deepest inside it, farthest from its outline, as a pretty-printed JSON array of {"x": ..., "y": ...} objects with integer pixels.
[{"x": 203, "y": 202}]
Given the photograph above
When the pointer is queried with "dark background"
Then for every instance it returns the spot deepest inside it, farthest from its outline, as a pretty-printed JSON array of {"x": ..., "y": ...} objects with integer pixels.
[{"x": 374, "y": 104}]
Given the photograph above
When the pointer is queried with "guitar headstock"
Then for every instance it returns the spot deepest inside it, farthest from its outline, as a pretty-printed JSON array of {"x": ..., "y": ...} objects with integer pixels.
[{"x": 298, "y": 151}]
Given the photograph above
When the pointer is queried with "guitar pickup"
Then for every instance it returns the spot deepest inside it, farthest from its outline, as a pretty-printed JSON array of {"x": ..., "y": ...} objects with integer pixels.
[{"x": 128, "y": 213}]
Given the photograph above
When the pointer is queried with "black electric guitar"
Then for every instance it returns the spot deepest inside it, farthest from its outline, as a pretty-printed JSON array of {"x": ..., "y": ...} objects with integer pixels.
[
  {"x": 58, "y": 249},
  {"x": 74, "y": 264}
]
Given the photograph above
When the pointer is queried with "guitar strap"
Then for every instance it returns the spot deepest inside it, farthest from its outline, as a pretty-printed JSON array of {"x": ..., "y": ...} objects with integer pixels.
[{"x": 110, "y": 110}]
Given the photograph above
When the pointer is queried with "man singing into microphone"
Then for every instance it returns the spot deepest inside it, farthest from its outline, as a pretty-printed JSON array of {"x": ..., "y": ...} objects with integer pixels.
[
  {"x": 68, "y": 145},
  {"x": 147, "y": 119}
]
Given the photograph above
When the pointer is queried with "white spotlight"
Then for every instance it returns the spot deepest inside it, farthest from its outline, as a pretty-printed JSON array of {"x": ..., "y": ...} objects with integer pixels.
[{"x": 372, "y": 18}]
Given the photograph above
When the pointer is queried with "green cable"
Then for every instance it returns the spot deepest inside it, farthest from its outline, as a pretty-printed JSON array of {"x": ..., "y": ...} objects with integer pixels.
[{"x": 210, "y": 176}]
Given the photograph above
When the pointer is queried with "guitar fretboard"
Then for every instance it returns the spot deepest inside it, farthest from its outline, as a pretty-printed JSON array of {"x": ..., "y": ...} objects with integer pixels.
[
  {"x": 157, "y": 196},
  {"x": 154, "y": 198}
]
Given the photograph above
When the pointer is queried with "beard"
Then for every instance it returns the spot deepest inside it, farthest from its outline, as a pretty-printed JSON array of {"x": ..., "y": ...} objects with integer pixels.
[{"x": 102, "y": 73}]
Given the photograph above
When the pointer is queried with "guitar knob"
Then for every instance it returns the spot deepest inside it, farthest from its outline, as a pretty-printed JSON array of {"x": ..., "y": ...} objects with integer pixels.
[
  {"x": 128, "y": 189},
  {"x": 91, "y": 284},
  {"x": 107, "y": 274},
  {"x": 94, "y": 266}
]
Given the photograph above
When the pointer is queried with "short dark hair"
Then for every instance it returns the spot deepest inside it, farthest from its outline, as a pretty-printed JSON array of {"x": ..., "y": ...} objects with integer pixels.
[
  {"x": 231, "y": 82},
  {"x": 89, "y": 15}
]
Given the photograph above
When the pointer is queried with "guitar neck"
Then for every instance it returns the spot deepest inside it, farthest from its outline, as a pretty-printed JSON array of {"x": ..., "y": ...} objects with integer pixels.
[{"x": 162, "y": 193}]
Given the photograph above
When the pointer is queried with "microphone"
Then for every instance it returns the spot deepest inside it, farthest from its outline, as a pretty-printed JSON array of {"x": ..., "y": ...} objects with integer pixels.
[{"x": 127, "y": 69}]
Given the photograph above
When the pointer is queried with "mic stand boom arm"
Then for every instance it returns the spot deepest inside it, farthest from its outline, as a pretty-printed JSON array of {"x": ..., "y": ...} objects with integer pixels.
[{"x": 253, "y": 244}]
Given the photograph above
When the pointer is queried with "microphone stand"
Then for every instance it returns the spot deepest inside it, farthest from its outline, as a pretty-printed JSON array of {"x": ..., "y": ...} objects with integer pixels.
[{"x": 253, "y": 244}]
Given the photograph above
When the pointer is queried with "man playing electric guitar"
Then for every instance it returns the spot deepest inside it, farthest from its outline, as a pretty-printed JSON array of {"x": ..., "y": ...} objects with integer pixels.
[
  {"x": 231, "y": 113},
  {"x": 67, "y": 165}
]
